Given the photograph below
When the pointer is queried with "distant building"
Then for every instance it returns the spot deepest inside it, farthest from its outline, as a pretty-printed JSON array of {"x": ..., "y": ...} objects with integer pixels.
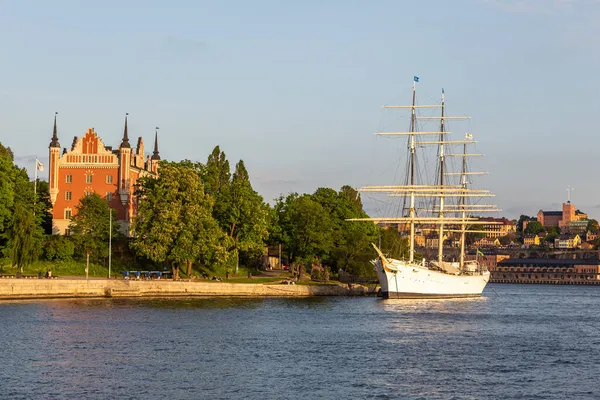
[
  {"x": 551, "y": 271},
  {"x": 568, "y": 218},
  {"x": 567, "y": 241},
  {"x": 498, "y": 227},
  {"x": 487, "y": 242},
  {"x": 591, "y": 236},
  {"x": 489, "y": 260},
  {"x": 433, "y": 240},
  {"x": 91, "y": 167},
  {"x": 531, "y": 240}
]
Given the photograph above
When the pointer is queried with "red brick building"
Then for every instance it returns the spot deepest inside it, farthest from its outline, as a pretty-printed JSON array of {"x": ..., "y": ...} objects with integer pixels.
[
  {"x": 92, "y": 167},
  {"x": 568, "y": 217}
]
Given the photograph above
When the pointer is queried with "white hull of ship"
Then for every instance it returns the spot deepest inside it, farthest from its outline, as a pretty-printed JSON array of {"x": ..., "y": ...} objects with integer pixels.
[{"x": 403, "y": 280}]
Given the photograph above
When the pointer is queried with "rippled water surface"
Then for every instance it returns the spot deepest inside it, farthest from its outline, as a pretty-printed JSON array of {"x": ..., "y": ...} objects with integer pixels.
[{"x": 519, "y": 341}]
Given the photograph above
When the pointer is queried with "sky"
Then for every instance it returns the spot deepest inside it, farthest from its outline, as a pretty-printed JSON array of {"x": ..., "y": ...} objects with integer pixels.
[{"x": 295, "y": 88}]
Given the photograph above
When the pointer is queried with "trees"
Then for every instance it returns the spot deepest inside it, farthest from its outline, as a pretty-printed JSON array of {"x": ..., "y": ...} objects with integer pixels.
[
  {"x": 522, "y": 219},
  {"x": 592, "y": 226},
  {"x": 306, "y": 228},
  {"x": 533, "y": 228},
  {"x": 352, "y": 248},
  {"x": 20, "y": 231},
  {"x": 90, "y": 226},
  {"x": 43, "y": 206},
  {"x": 24, "y": 238},
  {"x": 314, "y": 228},
  {"x": 239, "y": 210},
  {"x": 7, "y": 192},
  {"x": 174, "y": 224}
]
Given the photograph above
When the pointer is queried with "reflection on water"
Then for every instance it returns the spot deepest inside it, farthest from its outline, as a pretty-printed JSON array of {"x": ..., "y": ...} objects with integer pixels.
[{"x": 509, "y": 344}]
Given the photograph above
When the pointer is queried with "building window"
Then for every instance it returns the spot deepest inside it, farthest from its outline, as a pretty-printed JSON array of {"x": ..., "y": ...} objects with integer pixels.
[
  {"x": 67, "y": 214},
  {"x": 69, "y": 178},
  {"x": 109, "y": 179},
  {"x": 67, "y": 195},
  {"x": 109, "y": 196},
  {"x": 95, "y": 159},
  {"x": 88, "y": 179},
  {"x": 67, "y": 232},
  {"x": 84, "y": 158},
  {"x": 88, "y": 193}
]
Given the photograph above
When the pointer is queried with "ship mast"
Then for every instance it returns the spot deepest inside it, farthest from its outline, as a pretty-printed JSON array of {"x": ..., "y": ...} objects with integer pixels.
[
  {"x": 462, "y": 202},
  {"x": 441, "y": 213},
  {"x": 411, "y": 254}
]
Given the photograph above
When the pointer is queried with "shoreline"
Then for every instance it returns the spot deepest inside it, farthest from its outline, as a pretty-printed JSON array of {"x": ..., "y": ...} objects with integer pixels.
[{"x": 14, "y": 289}]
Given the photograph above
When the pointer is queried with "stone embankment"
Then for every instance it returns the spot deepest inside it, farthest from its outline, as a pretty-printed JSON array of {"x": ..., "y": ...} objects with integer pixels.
[{"x": 55, "y": 288}]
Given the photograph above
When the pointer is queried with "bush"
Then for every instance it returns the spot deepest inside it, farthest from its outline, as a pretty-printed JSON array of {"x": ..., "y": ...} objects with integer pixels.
[
  {"x": 59, "y": 248},
  {"x": 316, "y": 273}
]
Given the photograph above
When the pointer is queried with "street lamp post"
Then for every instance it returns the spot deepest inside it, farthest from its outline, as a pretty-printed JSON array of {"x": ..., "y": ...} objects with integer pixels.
[{"x": 109, "y": 239}]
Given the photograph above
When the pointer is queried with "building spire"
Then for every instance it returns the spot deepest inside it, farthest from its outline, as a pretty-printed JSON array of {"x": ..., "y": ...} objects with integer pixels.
[
  {"x": 54, "y": 142},
  {"x": 125, "y": 142},
  {"x": 155, "y": 155}
]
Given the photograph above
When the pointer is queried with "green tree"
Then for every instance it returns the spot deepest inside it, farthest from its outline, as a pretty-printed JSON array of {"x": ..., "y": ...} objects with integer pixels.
[
  {"x": 306, "y": 227},
  {"x": 24, "y": 237},
  {"x": 7, "y": 192},
  {"x": 21, "y": 231},
  {"x": 533, "y": 228},
  {"x": 90, "y": 226},
  {"x": 507, "y": 239},
  {"x": 174, "y": 224},
  {"x": 216, "y": 177},
  {"x": 352, "y": 249},
  {"x": 239, "y": 210},
  {"x": 393, "y": 244},
  {"x": 592, "y": 226},
  {"x": 20, "y": 214},
  {"x": 44, "y": 206},
  {"x": 59, "y": 248},
  {"x": 247, "y": 215},
  {"x": 550, "y": 236},
  {"x": 522, "y": 219}
]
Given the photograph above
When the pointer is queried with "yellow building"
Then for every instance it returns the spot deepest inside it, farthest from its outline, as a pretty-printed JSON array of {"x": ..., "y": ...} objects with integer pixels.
[
  {"x": 567, "y": 242},
  {"x": 531, "y": 240}
]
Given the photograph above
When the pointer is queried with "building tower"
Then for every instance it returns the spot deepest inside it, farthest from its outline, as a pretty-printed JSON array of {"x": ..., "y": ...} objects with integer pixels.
[
  {"x": 54, "y": 150},
  {"x": 155, "y": 156},
  {"x": 124, "y": 166}
]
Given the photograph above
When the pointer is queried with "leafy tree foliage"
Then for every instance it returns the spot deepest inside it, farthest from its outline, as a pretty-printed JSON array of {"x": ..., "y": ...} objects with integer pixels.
[
  {"x": 307, "y": 228},
  {"x": 44, "y": 206},
  {"x": 59, "y": 248},
  {"x": 522, "y": 219},
  {"x": 7, "y": 189},
  {"x": 314, "y": 229},
  {"x": 90, "y": 226},
  {"x": 393, "y": 244},
  {"x": 507, "y": 239},
  {"x": 239, "y": 210},
  {"x": 533, "y": 228},
  {"x": 174, "y": 224},
  {"x": 24, "y": 238},
  {"x": 20, "y": 231},
  {"x": 593, "y": 225}
]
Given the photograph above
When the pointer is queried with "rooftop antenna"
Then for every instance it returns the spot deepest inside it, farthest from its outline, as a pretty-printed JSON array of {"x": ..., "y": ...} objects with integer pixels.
[{"x": 569, "y": 192}]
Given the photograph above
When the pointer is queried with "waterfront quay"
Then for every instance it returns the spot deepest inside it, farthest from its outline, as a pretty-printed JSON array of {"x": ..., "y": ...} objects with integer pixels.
[{"x": 74, "y": 288}]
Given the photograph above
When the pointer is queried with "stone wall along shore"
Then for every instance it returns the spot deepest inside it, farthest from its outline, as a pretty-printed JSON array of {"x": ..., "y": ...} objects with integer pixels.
[{"x": 56, "y": 288}]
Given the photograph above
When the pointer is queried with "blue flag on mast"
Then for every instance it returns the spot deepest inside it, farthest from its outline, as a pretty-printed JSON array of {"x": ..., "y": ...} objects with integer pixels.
[{"x": 416, "y": 78}]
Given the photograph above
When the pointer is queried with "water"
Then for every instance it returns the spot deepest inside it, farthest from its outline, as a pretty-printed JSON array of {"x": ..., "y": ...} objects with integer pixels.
[{"x": 518, "y": 342}]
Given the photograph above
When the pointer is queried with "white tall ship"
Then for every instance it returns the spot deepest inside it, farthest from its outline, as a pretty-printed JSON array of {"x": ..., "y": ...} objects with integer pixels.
[{"x": 445, "y": 204}]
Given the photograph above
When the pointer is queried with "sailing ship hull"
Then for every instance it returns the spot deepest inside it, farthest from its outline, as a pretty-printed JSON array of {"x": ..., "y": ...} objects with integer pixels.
[{"x": 403, "y": 280}]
